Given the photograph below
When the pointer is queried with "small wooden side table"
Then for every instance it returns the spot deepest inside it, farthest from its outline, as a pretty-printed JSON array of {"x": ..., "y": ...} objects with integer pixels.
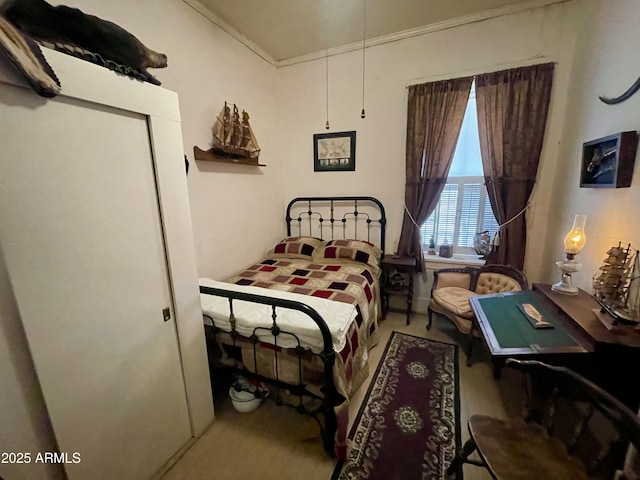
[{"x": 397, "y": 279}]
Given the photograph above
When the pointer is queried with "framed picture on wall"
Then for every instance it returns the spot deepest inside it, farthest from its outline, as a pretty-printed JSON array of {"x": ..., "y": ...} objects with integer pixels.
[
  {"x": 334, "y": 152},
  {"x": 608, "y": 161}
]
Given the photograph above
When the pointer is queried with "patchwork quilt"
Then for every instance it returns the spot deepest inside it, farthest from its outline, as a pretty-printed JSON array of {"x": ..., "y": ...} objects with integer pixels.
[{"x": 342, "y": 281}]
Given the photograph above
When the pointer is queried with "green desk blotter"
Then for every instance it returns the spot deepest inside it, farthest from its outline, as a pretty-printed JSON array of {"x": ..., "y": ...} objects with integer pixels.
[{"x": 505, "y": 320}]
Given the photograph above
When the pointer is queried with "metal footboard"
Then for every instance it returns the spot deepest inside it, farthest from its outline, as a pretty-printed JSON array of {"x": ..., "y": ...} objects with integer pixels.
[{"x": 330, "y": 397}]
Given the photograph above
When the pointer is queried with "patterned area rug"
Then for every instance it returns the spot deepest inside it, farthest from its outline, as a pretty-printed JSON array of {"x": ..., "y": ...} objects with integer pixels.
[{"x": 408, "y": 425}]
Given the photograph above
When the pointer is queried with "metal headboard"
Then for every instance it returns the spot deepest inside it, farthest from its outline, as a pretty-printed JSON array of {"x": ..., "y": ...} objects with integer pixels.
[{"x": 359, "y": 218}]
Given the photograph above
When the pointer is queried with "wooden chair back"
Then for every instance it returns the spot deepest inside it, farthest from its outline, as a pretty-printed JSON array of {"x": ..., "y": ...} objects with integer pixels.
[{"x": 594, "y": 426}]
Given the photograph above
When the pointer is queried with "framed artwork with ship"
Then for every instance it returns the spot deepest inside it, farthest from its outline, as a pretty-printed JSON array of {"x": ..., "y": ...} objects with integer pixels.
[{"x": 233, "y": 140}]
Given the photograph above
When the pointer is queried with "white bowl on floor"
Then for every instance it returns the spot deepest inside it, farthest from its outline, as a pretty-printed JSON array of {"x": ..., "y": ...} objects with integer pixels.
[{"x": 244, "y": 401}]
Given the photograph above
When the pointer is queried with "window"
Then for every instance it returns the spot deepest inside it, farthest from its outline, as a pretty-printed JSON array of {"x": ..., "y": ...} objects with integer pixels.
[{"x": 464, "y": 208}]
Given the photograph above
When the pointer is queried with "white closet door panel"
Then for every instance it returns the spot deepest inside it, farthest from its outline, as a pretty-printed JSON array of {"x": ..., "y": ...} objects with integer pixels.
[{"x": 81, "y": 233}]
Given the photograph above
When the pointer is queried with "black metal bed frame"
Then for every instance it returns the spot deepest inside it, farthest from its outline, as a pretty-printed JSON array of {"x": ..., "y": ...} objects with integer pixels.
[
  {"x": 333, "y": 204},
  {"x": 315, "y": 208}
]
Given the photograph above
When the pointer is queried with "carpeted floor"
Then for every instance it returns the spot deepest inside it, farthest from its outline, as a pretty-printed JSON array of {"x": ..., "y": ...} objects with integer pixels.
[{"x": 408, "y": 425}]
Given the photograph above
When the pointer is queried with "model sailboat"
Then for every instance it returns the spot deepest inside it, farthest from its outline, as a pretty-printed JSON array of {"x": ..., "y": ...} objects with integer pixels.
[
  {"x": 616, "y": 286},
  {"x": 233, "y": 135},
  {"x": 233, "y": 138}
]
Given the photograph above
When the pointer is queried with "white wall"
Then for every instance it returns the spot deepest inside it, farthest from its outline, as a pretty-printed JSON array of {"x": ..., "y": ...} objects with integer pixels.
[
  {"x": 206, "y": 67},
  {"x": 607, "y": 63},
  {"x": 534, "y": 36}
]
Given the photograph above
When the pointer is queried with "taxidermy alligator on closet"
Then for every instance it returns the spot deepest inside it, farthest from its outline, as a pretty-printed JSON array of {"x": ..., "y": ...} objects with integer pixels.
[
  {"x": 632, "y": 89},
  {"x": 71, "y": 31}
]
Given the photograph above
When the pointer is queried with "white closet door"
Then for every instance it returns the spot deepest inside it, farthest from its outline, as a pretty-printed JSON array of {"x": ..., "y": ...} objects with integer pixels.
[{"x": 81, "y": 233}]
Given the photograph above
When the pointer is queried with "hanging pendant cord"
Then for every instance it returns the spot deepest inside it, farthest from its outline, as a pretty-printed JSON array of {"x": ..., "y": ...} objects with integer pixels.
[
  {"x": 326, "y": 67},
  {"x": 364, "y": 37},
  {"x": 326, "y": 61}
]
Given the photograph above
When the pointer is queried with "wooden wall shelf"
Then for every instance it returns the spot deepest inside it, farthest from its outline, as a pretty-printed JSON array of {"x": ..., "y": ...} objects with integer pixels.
[
  {"x": 211, "y": 156},
  {"x": 608, "y": 161}
]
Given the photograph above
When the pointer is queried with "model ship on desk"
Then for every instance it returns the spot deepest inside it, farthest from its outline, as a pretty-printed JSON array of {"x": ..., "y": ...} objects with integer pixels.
[
  {"x": 233, "y": 139},
  {"x": 616, "y": 286}
]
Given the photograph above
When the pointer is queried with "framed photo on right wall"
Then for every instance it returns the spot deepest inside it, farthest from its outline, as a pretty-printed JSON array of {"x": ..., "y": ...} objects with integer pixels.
[
  {"x": 608, "y": 161},
  {"x": 334, "y": 152}
]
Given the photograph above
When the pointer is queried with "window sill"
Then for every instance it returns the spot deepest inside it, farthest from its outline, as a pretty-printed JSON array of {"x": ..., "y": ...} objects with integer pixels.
[{"x": 436, "y": 262}]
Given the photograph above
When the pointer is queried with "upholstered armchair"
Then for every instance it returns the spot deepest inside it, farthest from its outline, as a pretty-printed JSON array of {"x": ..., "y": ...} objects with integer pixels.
[{"x": 453, "y": 287}]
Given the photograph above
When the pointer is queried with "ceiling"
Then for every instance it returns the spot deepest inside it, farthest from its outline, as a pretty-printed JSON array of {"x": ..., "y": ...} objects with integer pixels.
[{"x": 284, "y": 29}]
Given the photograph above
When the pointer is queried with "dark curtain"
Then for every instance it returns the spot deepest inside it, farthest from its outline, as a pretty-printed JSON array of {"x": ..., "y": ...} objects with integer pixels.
[
  {"x": 512, "y": 114},
  {"x": 434, "y": 119}
]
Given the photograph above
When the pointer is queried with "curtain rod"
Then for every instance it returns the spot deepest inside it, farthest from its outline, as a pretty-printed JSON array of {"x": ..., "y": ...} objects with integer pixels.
[{"x": 480, "y": 71}]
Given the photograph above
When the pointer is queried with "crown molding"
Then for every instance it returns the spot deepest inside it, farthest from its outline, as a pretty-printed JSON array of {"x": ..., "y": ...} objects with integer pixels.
[
  {"x": 415, "y": 32},
  {"x": 224, "y": 26}
]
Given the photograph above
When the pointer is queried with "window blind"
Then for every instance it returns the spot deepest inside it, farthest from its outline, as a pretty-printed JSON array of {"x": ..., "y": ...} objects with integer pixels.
[{"x": 462, "y": 211}]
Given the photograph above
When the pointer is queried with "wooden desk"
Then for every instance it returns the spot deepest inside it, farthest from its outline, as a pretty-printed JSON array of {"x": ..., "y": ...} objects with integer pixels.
[
  {"x": 507, "y": 332},
  {"x": 397, "y": 279},
  {"x": 609, "y": 358},
  {"x": 577, "y": 308},
  {"x": 615, "y": 359}
]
